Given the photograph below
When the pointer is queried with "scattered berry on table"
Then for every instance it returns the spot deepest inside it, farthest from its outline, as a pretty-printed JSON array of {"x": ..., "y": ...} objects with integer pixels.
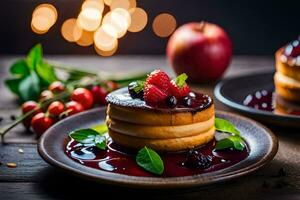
[
  {"x": 56, "y": 87},
  {"x": 83, "y": 96},
  {"x": 13, "y": 117},
  {"x": 29, "y": 106},
  {"x": 46, "y": 95},
  {"x": 56, "y": 108},
  {"x": 40, "y": 123},
  {"x": 74, "y": 107},
  {"x": 99, "y": 94}
]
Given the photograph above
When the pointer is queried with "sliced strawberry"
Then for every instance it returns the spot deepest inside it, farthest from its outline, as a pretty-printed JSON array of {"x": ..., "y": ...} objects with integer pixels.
[
  {"x": 154, "y": 95},
  {"x": 178, "y": 87},
  {"x": 160, "y": 79}
]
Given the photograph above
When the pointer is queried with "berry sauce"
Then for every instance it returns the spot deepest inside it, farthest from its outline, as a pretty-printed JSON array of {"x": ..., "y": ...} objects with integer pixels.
[
  {"x": 268, "y": 101},
  {"x": 117, "y": 159}
]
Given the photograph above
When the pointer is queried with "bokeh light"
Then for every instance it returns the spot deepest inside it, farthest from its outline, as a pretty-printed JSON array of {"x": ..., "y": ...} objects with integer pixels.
[
  {"x": 120, "y": 19},
  {"x": 107, "y": 2},
  {"x": 44, "y": 17},
  {"x": 139, "y": 20},
  {"x": 125, "y": 4},
  {"x": 96, "y": 4},
  {"x": 70, "y": 30},
  {"x": 105, "y": 38},
  {"x": 86, "y": 38},
  {"x": 106, "y": 53},
  {"x": 164, "y": 25},
  {"x": 89, "y": 19}
]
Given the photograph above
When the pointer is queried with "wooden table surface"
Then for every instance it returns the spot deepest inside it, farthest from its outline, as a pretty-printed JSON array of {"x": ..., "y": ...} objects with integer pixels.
[{"x": 35, "y": 179}]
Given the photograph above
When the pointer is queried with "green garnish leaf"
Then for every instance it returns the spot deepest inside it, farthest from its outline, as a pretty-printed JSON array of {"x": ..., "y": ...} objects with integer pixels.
[
  {"x": 231, "y": 142},
  {"x": 180, "y": 80},
  {"x": 149, "y": 160},
  {"x": 29, "y": 88},
  {"x": 100, "y": 142},
  {"x": 234, "y": 139},
  {"x": 35, "y": 56},
  {"x": 46, "y": 72},
  {"x": 223, "y": 125},
  {"x": 139, "y": 87},
  {"x": 20, "y": 68},
  {"x": 101, "y": 128},
  {"x": 89, "y": 136},
  {"x": 13, "y": 85}
]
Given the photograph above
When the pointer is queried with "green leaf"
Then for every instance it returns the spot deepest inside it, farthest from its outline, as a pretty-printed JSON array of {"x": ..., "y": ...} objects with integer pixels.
[
  {"x": 235, "y": 142},
  {"x": 225, "y": 126},
  {"x": 101, "y": 128},
  {"x": 139, "y": 87},
  {"x": 46, "y": 72},
  {"x": 35, "y": 56},
  {"x": 85, "y": 136},
  {"x": 149, "y": 160},
  {"x": 29, "y": 87},
  {"x": 100, "y": 142},
  {"x": 13, "y": 85},
  {"x": 20, "y": 68},
  {"x": 180, "y": 80}
]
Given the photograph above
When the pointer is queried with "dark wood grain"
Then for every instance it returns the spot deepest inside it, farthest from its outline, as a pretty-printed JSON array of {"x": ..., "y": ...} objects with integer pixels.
[{"x": 35, "y": 179}]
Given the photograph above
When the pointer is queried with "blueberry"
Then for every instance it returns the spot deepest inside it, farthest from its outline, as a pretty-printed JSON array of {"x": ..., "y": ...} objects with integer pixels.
[
  {"x": 187, "y": 101},
  {"x": 171, "y": 101},
  {"x": 13, "y": 117},
  {"x": 136, "y": 89},
  {"x": 196, "y": 160}
]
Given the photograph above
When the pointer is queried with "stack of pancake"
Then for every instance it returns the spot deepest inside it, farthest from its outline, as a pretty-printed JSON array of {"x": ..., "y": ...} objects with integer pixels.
[{"x": 133, "y": 124}]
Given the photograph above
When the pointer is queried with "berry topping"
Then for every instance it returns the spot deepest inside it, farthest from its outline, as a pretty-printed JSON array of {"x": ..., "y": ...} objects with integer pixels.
[
  {"x": 136, "y": 89},
  {"x": 195, "y": 159},
  {"x": 192, "y": 95},
  {"x": 178, "y": 87},
  {"x": 187, "y": 101},
  {"x": 154, "y": 95},
  {"x": 171, "y": 101},
  {"x": 293, "y": 49},
  {"x": 160, "y": 79}
]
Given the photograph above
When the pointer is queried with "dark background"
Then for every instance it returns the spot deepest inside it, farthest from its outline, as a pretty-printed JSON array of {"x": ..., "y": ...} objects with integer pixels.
[{"x": 257, "y": 27}]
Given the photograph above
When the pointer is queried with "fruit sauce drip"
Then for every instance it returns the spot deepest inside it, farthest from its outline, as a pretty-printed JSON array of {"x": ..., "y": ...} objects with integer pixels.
[
  {"x": 291, "y": 53},
  {"x": 269, "y": 101},
  {"x": 118, "y": 159},
  {"x": 261, "y": 100}
]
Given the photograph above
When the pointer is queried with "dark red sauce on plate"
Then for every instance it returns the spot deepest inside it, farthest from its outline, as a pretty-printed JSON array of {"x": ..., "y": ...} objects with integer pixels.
[{"x": 117, "y": 159}]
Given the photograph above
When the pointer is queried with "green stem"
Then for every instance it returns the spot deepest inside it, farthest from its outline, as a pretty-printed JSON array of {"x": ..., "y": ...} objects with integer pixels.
[{"x": 72, "y": 70}]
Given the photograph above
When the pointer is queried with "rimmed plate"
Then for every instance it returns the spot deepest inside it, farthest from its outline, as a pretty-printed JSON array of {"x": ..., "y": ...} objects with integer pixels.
[
  {"x": 262, "y": 143},
  {"x": 233, "y": 91}
]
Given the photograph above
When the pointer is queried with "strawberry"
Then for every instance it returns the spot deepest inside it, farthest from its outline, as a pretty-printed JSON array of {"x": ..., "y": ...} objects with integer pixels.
[
  {"x": 160, "y": 79},
  {"x": 178, "y": 87},
  {"x": 154, "y": 95}
]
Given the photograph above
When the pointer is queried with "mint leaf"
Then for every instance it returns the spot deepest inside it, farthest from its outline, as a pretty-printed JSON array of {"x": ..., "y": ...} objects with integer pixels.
[
  {"x": 89, "y": 136},
  {"x": 100, "y": 142},
  {"x": 101, "y": 128},
  {"x": 180, "y": 80},
  {"x": 20, "y": 68},
  {"x": 231, "y": 142},
  {"x": 13, "y": 85},
  {"x": 35, "y": 56},
  {"x": 149, "y": 160},
  {"x": 46, "y": 72},
  {"x": 223, "y": 125},
  {"x": 29, "y": 87},
  {"x": 139, "y": 87}
]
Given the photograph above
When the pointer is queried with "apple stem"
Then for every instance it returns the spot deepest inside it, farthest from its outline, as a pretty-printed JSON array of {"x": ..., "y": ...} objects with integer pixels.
[{"x": 201, "y": 26}]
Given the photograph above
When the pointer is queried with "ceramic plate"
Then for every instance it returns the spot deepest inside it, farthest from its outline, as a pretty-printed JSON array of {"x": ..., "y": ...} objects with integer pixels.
[
  {"x": 261, "y": 141},
  {"x": 233, "y": 91}
]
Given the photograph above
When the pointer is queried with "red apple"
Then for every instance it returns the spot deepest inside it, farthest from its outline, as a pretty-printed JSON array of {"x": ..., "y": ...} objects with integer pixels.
[{"x": 201, "y": 50}]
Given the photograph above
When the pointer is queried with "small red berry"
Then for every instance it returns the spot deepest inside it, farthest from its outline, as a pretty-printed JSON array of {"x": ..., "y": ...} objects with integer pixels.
[
  {"x": 84, "y": 97},
  {"x": 27, "y": 107},
  {"x": 153, "y": 95},
  {"x": 99, "y": 94},
  {"x": 56, "y": 108},
  {"x": 160, "y": 79},
  {"x": 112, "y": 85},
  {"x": 74, "y": 107},
  {"x": 56, "y": 87},
  {"x": 178, "y": 87},
  {"x": 46, "y": 95},
  {"x": 40, "y": 123}
]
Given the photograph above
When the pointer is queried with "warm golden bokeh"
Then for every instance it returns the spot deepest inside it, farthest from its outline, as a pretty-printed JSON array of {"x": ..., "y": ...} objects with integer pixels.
[
  {"x": 96, "y": 4},
  {"x": 125, "y": 4},
  {"x": 89, "y": 19},
  {"x": 107, "y": 2},
  {"x": 86, "y": 39},
  {"x": 164, "y": 25},
  {"x": 139, "y": 19},
  {"x": 106, "y": 53},
  {"x": 44, "y": 17},
  {"x": 70, "y": 31},
  {"x": 105, "y": 37}
]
